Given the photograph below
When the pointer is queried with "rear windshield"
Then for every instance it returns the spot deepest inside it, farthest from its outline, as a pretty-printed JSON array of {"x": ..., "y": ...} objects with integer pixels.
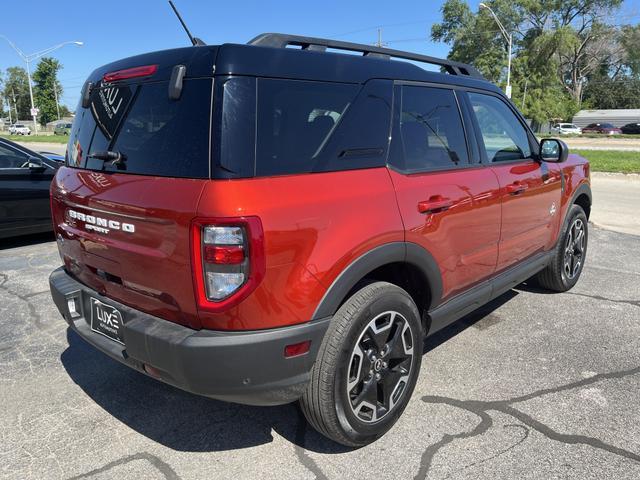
[{"x": 155, "y": 135}]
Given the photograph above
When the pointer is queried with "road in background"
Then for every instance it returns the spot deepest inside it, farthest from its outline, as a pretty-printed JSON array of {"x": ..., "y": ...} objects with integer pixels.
[
  {"x": 616, "y": 202},
  {"x": 604, "y": 143}
]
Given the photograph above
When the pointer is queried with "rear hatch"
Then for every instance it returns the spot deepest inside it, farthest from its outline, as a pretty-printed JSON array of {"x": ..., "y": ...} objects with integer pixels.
[{"x": 123, "y": 226}]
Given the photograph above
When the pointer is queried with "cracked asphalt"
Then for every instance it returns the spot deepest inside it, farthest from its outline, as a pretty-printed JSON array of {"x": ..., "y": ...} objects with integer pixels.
[{"x": 534, "y": 385}]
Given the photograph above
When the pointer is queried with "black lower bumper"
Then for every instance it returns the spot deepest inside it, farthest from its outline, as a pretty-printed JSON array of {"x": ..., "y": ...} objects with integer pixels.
[{"x": 241, "y": 367}]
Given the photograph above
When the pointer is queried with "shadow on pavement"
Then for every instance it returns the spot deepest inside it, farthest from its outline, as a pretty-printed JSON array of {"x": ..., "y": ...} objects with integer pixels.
[
  {"x": 26, "y": 240},
  {"x": 190, "y": 423}
]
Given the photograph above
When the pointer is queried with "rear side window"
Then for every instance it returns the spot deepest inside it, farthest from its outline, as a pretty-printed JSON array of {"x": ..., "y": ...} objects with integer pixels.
[
  {"x": 431, "y": 130},
  {"x": 156, "y": 135},
  {"x": 295, "y": 120},
  {"x": 279, "y": 127}
]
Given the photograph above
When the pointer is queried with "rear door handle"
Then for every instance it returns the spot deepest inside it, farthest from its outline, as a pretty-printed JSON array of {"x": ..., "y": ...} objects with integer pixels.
[
  {"x": 435, "y": 204},
  {"x": 516, "y": 188}
]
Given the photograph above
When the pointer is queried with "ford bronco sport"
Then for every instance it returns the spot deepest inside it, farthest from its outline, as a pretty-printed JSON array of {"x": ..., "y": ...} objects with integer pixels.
[{"x": 262, "y": 224}]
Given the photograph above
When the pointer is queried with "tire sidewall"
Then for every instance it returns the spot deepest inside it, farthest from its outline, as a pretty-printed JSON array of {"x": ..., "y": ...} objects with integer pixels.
[{"x": 392, "y": 299}]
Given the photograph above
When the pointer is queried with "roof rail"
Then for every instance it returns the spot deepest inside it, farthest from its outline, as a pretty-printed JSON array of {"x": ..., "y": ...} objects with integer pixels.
[{"x": 282, "y": 40}]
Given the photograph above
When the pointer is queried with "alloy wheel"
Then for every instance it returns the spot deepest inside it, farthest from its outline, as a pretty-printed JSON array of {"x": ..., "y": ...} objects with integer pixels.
[
  {"x": 574, "y": 249},
  {"x": 380, "y": 366}
]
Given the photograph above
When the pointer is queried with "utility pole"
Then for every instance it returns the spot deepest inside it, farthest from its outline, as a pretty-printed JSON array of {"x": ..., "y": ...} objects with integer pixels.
[
  {"x": 55, "y": 93},
  {"x": 9, "y": 105},
  {"x": 379, "y": 43},
  {"x": 15, "y": 104}
]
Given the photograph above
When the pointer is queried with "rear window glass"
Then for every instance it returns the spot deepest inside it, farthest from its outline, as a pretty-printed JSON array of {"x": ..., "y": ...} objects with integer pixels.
[
  {"x": 156, "y": 135},
  {"x": 295, "y": 119},
  {"x": 279, "y": 127}
]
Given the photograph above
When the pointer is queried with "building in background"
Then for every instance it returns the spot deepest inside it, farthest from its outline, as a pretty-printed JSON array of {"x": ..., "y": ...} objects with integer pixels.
[{"x": 618, "y": 117}]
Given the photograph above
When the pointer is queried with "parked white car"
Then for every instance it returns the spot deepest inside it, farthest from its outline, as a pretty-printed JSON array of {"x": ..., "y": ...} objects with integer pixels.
[
  {"x": 19, "y": 129},
  {"x": 566, "y": 129}
]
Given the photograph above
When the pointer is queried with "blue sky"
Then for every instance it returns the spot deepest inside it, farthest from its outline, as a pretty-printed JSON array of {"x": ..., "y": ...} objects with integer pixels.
[{"x": 119, "y": 28}]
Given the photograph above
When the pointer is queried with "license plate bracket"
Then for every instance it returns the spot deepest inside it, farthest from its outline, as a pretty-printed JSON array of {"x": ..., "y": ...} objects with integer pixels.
[{"x": 106, "y": 320}]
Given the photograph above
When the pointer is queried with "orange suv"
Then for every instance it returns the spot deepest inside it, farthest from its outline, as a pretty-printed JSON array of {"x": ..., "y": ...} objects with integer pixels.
[{"x": 281, "y": 221}]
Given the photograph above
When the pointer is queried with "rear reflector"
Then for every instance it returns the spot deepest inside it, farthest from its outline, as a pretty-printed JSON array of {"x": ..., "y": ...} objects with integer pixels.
[
  {"x": 297, "y": 349},
  {"x": 134, "y": 72},
  {"x": 226, "y": 255},
  {"x": 154, "y": 372}
]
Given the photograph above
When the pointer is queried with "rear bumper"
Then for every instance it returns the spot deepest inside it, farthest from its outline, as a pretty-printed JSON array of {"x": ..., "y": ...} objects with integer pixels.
[{"x": 242, "y": 367}]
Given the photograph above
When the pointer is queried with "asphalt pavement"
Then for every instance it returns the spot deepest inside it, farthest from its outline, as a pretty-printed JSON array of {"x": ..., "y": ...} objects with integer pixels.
[{"x": 534, "y": 385}]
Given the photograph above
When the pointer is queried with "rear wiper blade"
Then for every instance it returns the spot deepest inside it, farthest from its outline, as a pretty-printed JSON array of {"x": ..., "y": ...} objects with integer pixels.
[{"x": 116, "y": 158}]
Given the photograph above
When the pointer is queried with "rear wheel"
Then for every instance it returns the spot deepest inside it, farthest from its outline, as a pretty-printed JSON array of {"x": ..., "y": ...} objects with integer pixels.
[
  {"x": 565, "y": 269},
  {"x": 367, "y": 366}
]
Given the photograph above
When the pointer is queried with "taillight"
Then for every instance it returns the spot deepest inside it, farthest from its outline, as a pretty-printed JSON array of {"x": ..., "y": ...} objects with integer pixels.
[
  {"x": 134, "y": 72},
  {"x": 227, "y": 259}
]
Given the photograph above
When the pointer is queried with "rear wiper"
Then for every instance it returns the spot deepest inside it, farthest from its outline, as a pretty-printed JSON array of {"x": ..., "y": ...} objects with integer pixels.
[{"x": 117, "y": 159}]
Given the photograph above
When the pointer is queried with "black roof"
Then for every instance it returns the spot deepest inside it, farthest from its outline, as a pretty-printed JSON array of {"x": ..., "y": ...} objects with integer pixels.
[{"x": 268, "y": 56}]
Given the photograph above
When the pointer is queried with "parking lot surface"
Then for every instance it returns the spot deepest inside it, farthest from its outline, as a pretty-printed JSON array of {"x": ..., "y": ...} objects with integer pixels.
[{"x": 534, "y": 385}]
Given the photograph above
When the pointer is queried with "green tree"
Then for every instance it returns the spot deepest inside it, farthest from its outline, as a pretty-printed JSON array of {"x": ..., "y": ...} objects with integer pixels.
[
  {"x": 630, "y": 41},
  {"x": 605, "y": 92},
  {"x": 16, "y": 89},
  {"x": 557, "y": 45},
  {"x": 45, "y": 79}
]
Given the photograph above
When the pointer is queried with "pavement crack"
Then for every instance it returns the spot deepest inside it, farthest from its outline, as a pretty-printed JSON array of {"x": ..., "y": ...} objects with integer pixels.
[
  {"x": 26, "y": 298},
  {"x": 163, "y": 467},
  {"x": 501, "y": 452},
  {"x": 568, "y": 439},
  {"x": 635, "y": 303},
  {"x": 573, "y": 385},
  {"x": 481, "y": 408},
  {"x": 306, "y": 461},
  {"x": 427, "y": 456}
]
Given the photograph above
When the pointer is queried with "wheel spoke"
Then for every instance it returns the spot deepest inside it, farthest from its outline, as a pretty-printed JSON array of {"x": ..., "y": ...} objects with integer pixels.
[
  {"x": 359, "y": 367},
  {"x": 388, "y": 383},
  {"x": 380, "y": 335},
  {"x": 369, "y": 394}
]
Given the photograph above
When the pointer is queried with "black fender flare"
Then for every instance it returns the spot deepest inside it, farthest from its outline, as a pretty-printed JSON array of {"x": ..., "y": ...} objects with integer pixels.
[
  {"x": 583, "y": 188},
  {"x": 394, "y": 252}
]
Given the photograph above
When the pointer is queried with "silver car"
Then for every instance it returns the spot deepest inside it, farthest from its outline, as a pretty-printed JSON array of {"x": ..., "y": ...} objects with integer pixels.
[{"x": 566, "y": 129}]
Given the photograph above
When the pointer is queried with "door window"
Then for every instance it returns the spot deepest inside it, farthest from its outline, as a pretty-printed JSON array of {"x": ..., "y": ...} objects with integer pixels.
[
  {"x": 505, "y": 139},
  {"x": 431, "y": 130}
]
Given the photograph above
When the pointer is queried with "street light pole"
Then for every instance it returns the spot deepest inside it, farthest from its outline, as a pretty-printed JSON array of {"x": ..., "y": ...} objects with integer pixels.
[
  {"x": 30, "y": 58},
  {"x": 33, "y": 108},
  {"x": 509, "y": 38}
]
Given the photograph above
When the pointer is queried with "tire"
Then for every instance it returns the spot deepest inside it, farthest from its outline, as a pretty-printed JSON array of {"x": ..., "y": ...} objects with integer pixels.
[
  {"x": 568, "y": 261},
  {"x": 375, "y": 341}
]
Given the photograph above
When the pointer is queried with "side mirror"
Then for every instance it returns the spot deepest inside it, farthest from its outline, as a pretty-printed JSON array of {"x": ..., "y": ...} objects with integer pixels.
[
  {"x": 553, "y": 150},
  {"x": 36, "y": 165}
]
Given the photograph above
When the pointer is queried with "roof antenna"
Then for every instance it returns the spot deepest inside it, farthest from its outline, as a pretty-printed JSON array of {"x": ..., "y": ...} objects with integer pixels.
[{"x": 195, "y": 41}]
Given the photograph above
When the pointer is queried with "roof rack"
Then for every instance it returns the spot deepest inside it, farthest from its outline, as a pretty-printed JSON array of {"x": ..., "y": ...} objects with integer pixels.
[{"x": 282, "y": 40}]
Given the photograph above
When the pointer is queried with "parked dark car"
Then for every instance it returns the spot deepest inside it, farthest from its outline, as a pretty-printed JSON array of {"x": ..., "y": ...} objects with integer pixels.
[
  {"x": 631, "y": 129},
  {"x": 605, "y": 128},
  {"x": 25, "y": 177}
]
